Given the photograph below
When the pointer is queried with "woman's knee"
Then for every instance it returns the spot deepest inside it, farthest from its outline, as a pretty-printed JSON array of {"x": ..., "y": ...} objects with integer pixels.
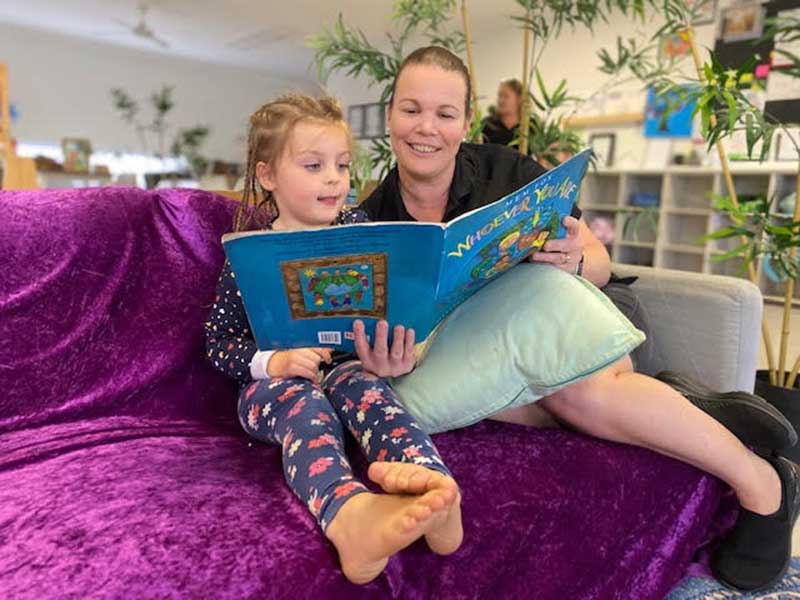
[{"x": 591, "y": 396}]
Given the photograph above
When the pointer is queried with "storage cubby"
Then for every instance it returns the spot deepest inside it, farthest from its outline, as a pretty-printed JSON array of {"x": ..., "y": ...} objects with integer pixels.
[
  {"x": 601, "y": 189},
  {"x": 784, "y": 185},
  {"x": 748, "y": 186},
  {"x": 639, "y": 226},
  {"x": 686, "y": 230},
  {"x": 685, "y": 214},
  {"x": 692, "y": 191},
  {"x": 634, "y": 255}
]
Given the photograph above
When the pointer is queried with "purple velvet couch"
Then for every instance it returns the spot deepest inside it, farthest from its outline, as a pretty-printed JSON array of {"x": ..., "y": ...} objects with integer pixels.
[{"x": 124, "y": 474}]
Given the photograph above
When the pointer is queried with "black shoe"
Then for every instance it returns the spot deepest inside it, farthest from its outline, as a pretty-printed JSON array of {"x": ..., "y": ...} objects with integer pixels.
[
  {"x": 756, "y": 553},
  {"x": 747, "y": 416}
]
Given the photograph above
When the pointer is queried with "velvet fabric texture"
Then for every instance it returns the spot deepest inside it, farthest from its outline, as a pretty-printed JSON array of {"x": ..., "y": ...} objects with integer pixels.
[{"x": 124, "y": 474}]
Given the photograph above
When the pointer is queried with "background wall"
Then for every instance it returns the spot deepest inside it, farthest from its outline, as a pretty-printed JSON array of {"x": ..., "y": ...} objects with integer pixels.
[
  {"x": 61, "y": 88},
  {"x": 60, "y": 84},
  {"x": 498, "y": 55}
]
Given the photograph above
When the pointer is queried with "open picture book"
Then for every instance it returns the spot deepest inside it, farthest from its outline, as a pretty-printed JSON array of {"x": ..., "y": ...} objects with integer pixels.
[{"x": 305, "y": 288}]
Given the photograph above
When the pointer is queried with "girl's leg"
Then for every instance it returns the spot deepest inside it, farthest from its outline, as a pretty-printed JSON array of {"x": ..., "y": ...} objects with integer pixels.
[
  {"x": 620, "y": 405},
  {"x": 403, "y": 458},
  {"x": 369, "y": 408},
  {"x": 294, "y": 414},
  {"x": 365, "y": 528}
]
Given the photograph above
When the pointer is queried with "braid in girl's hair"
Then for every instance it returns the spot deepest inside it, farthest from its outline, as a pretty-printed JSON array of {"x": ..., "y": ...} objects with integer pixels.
[{"x": 270, "y": 129}]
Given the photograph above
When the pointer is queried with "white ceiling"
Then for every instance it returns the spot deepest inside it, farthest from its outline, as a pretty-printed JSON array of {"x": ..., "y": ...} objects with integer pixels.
[{"x": 265, "y": 34}]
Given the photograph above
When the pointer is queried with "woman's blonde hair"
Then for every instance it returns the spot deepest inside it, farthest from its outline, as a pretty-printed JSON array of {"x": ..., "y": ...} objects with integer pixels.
[{"x": 270, "y": 129}]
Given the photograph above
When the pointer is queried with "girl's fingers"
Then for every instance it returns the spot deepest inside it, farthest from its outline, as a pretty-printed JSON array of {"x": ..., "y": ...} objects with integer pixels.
[
  {"x": 300, "y": 371},
  {"x": 309, "y": 356},
  {"x": 324, "y": 353},
  {"x": 309, "y": 363}
]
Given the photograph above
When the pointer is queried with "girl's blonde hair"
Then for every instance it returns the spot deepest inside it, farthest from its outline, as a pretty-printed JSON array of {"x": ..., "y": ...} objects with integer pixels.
[{"x": 269, "y": 132}]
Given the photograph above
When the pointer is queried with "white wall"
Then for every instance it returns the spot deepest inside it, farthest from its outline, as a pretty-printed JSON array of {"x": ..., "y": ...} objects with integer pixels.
[
  {"x": 573, "y": 56},
  {"x": 60, "y": 86}
]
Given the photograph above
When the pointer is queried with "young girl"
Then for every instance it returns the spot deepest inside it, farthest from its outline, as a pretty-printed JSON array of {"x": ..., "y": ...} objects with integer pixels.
[{"x": 299, "y": 155}]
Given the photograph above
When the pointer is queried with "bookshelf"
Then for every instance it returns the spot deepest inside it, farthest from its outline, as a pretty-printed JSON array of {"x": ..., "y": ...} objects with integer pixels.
[{"x": 669, "y": 235}]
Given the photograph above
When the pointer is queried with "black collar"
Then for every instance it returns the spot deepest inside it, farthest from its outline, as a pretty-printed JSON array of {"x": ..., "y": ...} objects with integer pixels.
[{"x": 461, "y": 188}]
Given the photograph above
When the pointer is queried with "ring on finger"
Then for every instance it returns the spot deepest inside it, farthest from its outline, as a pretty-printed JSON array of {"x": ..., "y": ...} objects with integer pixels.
[{"x": 565, "y": 259}]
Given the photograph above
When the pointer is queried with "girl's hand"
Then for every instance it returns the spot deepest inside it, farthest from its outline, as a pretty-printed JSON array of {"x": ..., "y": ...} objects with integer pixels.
[
  {"x": 379, "y": 359},
  {"x": 300, "y": 362},
  {"x": 565, "y": 253}
]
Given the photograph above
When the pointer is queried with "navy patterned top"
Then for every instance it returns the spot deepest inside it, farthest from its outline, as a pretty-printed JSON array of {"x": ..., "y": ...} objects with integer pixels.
[{"x": 230, "y": 346}]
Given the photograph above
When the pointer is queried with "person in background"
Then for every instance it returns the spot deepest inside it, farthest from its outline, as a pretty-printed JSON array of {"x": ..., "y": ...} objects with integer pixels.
[{"x": 503, "y": 126}]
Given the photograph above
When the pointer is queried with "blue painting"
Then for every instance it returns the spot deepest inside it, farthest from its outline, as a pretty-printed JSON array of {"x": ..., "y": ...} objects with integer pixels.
[
  {"x": 350, "y": 285},
  {"x": 337, "y": 287},
  {"x": 668, "y": 115}
]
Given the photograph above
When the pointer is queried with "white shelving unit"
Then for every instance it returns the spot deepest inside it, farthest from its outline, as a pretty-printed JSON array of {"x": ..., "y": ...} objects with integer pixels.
[{"x": 684, "y": 214}]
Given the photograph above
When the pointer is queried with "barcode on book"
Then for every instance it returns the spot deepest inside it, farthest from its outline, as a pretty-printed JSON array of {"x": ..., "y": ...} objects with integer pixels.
[{"x": 329, "y": 337}]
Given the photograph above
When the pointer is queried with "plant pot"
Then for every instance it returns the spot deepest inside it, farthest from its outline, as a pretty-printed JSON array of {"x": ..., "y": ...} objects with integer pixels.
[{"x": 785, "y": 400}]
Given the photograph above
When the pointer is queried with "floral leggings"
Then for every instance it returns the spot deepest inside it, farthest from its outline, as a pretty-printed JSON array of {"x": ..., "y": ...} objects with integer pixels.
[{"x": 307, "y": 423}]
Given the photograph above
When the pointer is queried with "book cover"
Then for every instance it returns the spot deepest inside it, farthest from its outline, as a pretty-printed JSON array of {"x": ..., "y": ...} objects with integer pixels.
[{"x": 305, "y": 288}]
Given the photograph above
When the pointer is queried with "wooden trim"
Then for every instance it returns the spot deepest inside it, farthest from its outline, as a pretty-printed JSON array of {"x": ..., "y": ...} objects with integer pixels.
[
  {"x": 633, "y": 118},
  {"x": 5, "y": 112}
]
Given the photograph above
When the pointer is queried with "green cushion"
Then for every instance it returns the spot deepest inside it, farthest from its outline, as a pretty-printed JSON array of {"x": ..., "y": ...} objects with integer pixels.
[{"x": 525, "y": 335}]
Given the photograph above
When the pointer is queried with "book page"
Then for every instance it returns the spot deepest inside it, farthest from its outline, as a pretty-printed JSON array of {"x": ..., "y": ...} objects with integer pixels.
[{"x": 487, "y": 242}]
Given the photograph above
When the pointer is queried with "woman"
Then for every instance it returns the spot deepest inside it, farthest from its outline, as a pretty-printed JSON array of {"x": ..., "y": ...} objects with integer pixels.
[
  {"x": 438, "y": 178},
  {"x": 503, "y": 125}
]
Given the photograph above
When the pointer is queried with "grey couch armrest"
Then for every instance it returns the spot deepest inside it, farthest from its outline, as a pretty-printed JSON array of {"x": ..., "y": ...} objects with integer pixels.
[{"x": 705, "y": 326}]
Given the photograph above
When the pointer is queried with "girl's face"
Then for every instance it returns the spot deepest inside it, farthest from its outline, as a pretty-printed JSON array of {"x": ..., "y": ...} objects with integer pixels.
[
  {"x": 508, "y": 102},
  {"x": 311, "y": 178},
  {"x": 427, "y": 120}
]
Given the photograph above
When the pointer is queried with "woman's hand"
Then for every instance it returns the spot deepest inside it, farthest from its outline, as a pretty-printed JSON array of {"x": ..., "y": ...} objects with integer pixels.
[
  {"x": 378, "y": 359},
  {"x": 565, "y": 253},
  {"x": 300, "y": 362}
]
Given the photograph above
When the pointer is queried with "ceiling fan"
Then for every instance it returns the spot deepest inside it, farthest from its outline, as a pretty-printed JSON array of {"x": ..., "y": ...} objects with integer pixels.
[{"x": 141, "y": 28}]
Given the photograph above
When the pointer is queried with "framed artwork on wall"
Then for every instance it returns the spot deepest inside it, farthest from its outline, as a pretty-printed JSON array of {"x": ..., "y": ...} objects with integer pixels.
[
  {"x": 603, "y": 146},
  {"x": 77, "y": 152},
  {"x": 706, "y": 11},
  {"x": 367, "y": 121}
]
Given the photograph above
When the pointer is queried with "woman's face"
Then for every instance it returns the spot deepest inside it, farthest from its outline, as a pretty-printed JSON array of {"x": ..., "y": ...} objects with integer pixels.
[
  {"x": 427, "y": 120},
  {"x": 508, "y": 102}
]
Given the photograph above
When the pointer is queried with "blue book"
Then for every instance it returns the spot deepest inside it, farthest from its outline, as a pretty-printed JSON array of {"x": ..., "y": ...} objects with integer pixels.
[{"x": 305, "y": 288}]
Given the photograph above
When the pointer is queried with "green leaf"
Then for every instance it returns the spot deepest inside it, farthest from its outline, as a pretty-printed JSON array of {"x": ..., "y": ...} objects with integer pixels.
[
  {"x": 542, "y": 89},
  {"x": 733, "y": 113},
  {"x": 738, "y": 251},
  {"x": 725, "y": 232},
  {"x": 750, "y": 133}
]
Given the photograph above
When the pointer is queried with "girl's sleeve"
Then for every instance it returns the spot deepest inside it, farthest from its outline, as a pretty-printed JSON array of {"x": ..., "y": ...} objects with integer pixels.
[
  {"x": 230, "y": 346},
  {"x": 352, "y": 215}
]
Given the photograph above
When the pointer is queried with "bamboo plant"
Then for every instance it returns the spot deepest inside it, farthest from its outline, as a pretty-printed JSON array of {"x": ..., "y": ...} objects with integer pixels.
[
  {"x": 725, "y": 108},
  {"x": 345, "y": 49},
  {"x": 549, "y": 136}
]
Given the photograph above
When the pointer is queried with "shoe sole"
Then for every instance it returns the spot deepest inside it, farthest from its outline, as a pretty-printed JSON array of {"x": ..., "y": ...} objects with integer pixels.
[{"x": 772, "y": 416}]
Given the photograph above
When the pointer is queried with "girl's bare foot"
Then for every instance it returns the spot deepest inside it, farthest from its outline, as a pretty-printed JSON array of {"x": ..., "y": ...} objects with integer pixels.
[
  {"x": 369, "y": 528},
  {"x": 446, "y": 534}
]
